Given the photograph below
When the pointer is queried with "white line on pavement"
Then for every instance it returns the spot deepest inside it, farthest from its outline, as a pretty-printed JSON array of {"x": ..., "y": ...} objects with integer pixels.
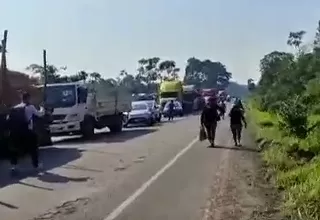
[{"x": 116, "y": 212}]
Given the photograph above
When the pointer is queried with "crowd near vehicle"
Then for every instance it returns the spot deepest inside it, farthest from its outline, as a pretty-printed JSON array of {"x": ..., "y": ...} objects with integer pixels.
[
  {"x": 79, "y": 108},
  {"x": 141, "y": 113},
  {"x": 177, "y": 111}
]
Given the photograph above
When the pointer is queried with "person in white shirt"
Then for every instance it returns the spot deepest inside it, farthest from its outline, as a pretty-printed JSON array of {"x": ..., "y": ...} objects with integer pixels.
[{"x": 28, "y": 138}]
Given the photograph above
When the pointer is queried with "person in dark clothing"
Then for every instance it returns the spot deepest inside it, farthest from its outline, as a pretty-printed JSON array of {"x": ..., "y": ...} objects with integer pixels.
[
  {"x": 209, "y": 119},
  {"x": 237, "y": 120},
  {"x": 171, "y": 110},
  {"x": 224, "y": 107},
  {"x": 23, "y": 138}
]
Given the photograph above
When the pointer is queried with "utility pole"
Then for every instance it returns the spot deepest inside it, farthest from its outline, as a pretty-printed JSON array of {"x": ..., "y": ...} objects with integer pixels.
[
  {"x": 45, "y": 74},
  {"x": 3, "y": 73}
]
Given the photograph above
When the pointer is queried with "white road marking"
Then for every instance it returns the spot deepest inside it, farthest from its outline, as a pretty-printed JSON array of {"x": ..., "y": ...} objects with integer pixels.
[{"x": 116, "y": 212}]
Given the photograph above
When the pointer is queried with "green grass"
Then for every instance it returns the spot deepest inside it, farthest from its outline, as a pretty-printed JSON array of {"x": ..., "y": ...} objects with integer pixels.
[{"x": 295, "y": 163}]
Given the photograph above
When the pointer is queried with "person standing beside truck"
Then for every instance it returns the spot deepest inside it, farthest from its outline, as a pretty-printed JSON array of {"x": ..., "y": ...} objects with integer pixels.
[{"x": 21, "y": 132}]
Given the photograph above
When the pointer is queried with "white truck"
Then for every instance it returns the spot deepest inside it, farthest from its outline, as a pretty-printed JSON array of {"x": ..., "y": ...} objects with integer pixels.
[{"x": 79, "y": 108}]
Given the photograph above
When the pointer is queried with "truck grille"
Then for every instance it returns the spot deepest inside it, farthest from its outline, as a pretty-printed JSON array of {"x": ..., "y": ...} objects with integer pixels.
[{"x": 58, "y": 117}]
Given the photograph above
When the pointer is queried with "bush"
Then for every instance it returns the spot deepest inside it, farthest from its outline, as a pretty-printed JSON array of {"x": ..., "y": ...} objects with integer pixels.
[
  {"x": 294, "y": 118},
  {"x": 295, "y": 161}
]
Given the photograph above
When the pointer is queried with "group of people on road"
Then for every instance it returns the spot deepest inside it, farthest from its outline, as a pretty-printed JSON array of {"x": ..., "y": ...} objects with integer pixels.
[{"x": 212, "y": 114}]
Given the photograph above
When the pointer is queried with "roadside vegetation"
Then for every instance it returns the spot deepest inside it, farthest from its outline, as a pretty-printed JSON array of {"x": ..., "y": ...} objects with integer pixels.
[
  {"x": 285, "y": 111},
  {"x": 150, "y": 71}
]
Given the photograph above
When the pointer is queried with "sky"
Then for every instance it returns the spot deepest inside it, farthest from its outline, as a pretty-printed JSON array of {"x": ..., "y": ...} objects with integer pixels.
[{"x": 107, "y": 36}]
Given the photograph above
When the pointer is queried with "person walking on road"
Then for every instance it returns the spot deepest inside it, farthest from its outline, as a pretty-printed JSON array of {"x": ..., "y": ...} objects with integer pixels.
[
  {"x": 237, "y": 120},
  {"x": 22, "y": 134},
  {"x": 171, "y": 110},
  {"x": 224, "y": 108},
  {"x": 209, "y": 119}
]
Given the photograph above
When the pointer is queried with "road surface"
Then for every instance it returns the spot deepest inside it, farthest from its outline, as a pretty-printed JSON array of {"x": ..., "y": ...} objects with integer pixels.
[{"x": 160, "y": 172}]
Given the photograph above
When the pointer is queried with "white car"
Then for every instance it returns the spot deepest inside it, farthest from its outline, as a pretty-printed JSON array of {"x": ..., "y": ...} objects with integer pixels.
[{"x": 140, "y": 114}]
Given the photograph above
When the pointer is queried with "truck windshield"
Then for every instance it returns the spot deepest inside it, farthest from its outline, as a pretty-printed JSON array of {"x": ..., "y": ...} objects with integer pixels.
[
  {"x": 61, "y": 96},
  {"x": 169, "y": 94}
]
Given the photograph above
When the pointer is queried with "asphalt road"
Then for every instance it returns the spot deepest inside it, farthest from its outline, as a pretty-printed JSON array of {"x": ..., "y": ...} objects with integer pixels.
[{"x": 161, "y": 172}]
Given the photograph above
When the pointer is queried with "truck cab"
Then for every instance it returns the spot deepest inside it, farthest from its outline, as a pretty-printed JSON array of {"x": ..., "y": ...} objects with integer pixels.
[
  {"x": 68, "y": 102},
  {"x": 79, "y": 108}
]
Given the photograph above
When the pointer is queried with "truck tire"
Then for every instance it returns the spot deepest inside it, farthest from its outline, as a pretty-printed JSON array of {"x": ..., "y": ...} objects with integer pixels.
[{"x": 87, "y": 128}]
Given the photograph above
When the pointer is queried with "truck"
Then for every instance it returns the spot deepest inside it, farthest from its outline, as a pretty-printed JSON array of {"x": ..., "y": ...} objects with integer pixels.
[
  {"x": 79, "y": 107},
  {"x": 170, "y": 90},
  {"x": 188, "y": 97}
]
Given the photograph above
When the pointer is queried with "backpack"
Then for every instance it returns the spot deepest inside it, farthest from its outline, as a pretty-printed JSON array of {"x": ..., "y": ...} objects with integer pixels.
[{"x": 17, "y": 121}]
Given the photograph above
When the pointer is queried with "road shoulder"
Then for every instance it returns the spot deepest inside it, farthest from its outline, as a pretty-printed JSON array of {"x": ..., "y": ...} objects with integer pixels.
[{"x": 245, "y": 194}]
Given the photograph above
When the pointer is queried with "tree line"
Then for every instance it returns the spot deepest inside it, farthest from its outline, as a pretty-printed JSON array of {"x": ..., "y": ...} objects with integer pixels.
[
  {"x": 151, "y": 71},
  {"x": 289, "y": 83},
  {"x": 287, "y": 97}
]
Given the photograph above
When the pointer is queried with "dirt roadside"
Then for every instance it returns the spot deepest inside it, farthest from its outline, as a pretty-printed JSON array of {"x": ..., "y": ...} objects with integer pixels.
[{"x": 241, "y": 190}]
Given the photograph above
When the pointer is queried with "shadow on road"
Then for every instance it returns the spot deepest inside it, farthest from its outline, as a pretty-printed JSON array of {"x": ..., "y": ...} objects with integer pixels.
[
  {"x": 7, "y": 205},
  {"x": 57, "y": 178},
  {"x": 52, "y": 157},
  {"x": 241, "y": 148},
  {"x": 107, "y": 137}
]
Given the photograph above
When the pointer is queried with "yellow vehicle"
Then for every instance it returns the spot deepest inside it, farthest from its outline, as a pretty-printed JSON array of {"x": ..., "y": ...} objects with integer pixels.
[{"x": 170, "y": 90}]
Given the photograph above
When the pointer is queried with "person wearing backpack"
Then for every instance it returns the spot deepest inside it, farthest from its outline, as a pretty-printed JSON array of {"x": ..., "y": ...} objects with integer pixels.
[{"x": 22, "y": 134}]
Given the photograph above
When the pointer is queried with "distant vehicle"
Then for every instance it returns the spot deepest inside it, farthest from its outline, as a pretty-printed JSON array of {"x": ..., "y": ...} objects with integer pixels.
[
  {"x": 140, "y": 114},
  {"x": 170, "y": 90},
  {"x": 177, "y": 111},
  {"x": 144, "y": 97},
  {"x": 188, "y": 98},
  {"x": 155, "y": 109}
]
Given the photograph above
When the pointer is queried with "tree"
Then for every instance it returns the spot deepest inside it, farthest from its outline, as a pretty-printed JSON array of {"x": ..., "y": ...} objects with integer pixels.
[
  {"x": 295, "y": 39},
  {"x": 316, "y": 42},
  {"x": 193, "y": 72},
  {"x": 168, "y": 66},
  {"x": 83, "y": 75},
  {"x": 148, "y": 71},
  {"x": 206, "y": 74},
  {"x": 250, "y": 84},
  {"x": 53, "y": 75},
  {"x": 96, "y": 77}
]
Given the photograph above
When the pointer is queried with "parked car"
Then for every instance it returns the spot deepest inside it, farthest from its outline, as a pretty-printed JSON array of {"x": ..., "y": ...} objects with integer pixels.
[
  {"x": 140, "y": 114},
  {"x": 177, "y": 111},
  {"x": 155, "y": 109}
]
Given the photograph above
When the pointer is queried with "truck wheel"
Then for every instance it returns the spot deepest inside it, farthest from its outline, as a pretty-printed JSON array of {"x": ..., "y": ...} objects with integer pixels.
[{"x": 87, "y": 128}]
